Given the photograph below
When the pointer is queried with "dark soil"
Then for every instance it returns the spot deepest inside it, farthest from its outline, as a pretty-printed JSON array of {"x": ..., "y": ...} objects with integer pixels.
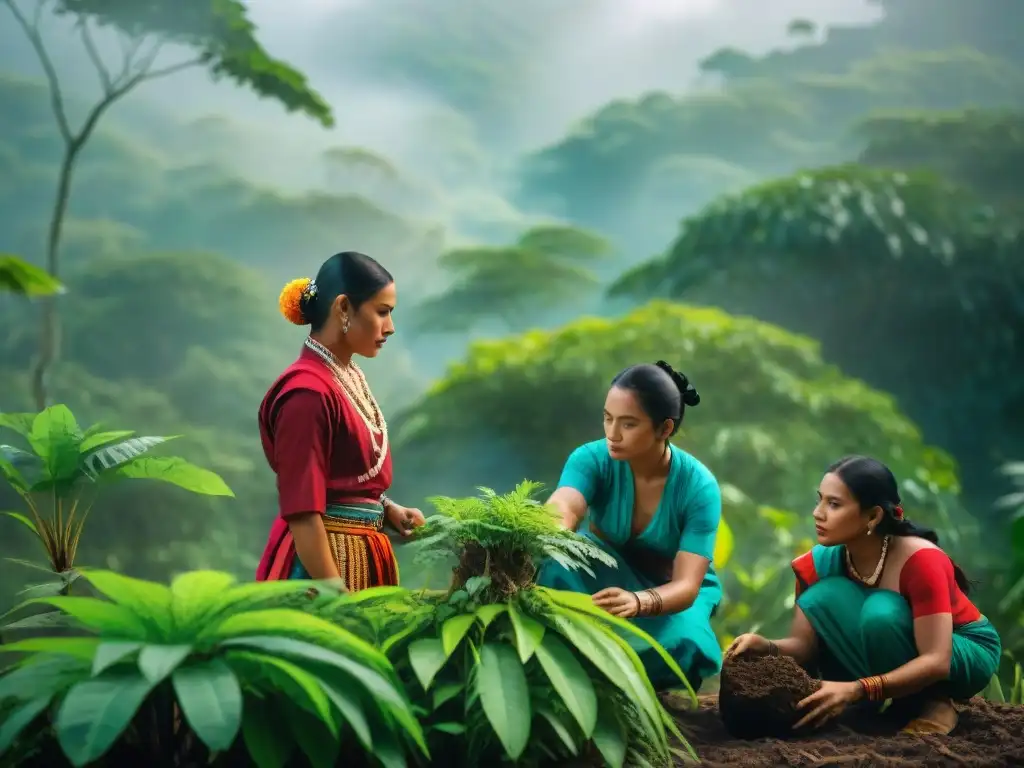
[
  {"x": 759, "y": 694},
  {"x": 988, "y": 736}
]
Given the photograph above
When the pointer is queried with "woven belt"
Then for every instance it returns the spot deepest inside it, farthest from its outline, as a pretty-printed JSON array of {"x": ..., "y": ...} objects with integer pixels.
[{"x": 346, "y": 516}]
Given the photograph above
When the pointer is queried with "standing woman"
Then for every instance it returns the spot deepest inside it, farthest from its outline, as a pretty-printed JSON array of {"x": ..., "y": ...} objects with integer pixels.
[
  {"x": 656, "y": 510},
  {"x": 325, "y": 437},
  {"x": 881, "y": 610}
]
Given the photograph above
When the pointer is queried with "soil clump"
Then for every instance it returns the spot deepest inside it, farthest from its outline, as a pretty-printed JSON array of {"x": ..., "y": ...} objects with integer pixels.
[{"x": 759, "y": 694}]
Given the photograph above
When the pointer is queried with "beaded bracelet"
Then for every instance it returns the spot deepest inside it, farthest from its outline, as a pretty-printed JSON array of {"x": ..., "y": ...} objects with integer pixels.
[{"x": 874, "y": 687}]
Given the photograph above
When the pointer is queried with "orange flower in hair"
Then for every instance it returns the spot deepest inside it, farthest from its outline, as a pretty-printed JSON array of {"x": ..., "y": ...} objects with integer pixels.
[{"x": 290, "y": 300}]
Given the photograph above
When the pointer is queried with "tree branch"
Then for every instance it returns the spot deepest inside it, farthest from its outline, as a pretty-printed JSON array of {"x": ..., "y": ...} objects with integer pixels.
[
  {"x": 31, "y": 30},
  {"x": 94, "y": 54}
]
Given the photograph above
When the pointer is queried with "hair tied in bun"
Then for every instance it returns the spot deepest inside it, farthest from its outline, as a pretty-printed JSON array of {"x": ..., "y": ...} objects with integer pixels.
[
  {"x": 293, "y": 296},
  {"x": 686, "y": 390}
]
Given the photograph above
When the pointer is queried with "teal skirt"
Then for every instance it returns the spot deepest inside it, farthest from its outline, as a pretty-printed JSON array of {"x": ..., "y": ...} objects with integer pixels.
[
  {"x": 863, "y": 632},
  {"x": 686, "y": 636}
]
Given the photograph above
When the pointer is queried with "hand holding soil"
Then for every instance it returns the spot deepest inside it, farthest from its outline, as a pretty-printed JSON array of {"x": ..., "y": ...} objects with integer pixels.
[
  {"x": 827, "y": 703},
  {"x": 749, "y": 642}
]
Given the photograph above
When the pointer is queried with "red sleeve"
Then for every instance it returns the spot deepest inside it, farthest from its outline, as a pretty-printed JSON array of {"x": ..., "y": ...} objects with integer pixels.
[
  {"x": 302, "y": 440},
  {"x": 927, "y": 582},
  {"x": 806, "y": 573}
]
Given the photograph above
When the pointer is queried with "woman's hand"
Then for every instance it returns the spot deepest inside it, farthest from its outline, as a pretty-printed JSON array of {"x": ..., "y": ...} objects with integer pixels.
[
  {"x": 748, "y": 643},
  {"x": 618, "y": 602},
  {"x": 827, "y": 703},
  {"x": 404, "y": 519}
]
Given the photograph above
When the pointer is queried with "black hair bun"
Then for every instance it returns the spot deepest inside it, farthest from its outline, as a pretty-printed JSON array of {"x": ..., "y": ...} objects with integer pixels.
[{"x": 686, "y": 390}]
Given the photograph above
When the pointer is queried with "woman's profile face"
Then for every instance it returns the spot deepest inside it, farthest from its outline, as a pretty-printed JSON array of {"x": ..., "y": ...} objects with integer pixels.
[
  {"x": 628, "y": 430},
  {"x": 372, "y": 324},
  {"x": 838, "y": 518}
]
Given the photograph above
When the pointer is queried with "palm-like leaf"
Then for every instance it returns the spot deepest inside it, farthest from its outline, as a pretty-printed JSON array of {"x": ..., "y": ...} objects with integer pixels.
[{"x": 225, "y": 649}]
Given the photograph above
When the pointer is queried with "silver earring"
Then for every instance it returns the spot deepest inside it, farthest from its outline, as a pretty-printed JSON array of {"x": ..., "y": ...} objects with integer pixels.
[
  {"x": 870, "y": 530},
  {"x": 344, "y": 324}
]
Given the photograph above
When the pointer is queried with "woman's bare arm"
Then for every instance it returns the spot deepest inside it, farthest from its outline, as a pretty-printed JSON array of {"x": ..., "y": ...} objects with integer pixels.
[
  {"x": 572, "y": 506},
  {"x": 688, "y": 572},
  {"x": 311, "y": 545},
  {"x": 933, "y": 636},
  {"x": 802, "y": 643}
]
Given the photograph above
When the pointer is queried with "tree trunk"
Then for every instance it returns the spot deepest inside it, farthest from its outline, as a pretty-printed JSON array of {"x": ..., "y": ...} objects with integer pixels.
[{"x": 49, "y": 329}]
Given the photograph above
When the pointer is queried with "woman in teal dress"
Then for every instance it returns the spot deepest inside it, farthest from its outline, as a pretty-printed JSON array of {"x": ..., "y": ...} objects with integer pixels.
[
  {"x": 905, "y": 631},
  {"x": 655, "y": 509}
]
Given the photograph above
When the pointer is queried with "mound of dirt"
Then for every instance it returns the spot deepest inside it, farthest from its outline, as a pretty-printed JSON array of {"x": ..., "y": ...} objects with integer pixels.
[
  {"x": 989, "y": 736},
  {"x": 759, "y": 694}
]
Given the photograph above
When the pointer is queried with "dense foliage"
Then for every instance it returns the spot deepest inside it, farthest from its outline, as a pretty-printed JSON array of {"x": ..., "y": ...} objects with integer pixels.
[{"x": 867, "y": 260}]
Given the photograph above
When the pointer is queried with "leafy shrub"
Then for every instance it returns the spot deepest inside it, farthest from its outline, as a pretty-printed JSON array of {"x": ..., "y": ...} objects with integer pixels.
[
  {"x": 172, "y": 676},
  {"x": 500, "y": 669}
]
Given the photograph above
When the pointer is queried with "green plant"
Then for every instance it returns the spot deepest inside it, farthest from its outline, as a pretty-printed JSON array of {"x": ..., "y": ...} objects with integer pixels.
[
  {"x": 67, "y": 466},
  {"x": 172, "y": 676},
  {"x": 501, "y": 669},
  {"x": 994, "y": 691},
  {"x": 502, "y": 537}
]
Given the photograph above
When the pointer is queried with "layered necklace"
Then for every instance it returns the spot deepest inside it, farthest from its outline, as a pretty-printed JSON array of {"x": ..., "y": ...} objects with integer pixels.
[
  {"x": 872, "y": 580},
  {"x": 353, "y": 383}
]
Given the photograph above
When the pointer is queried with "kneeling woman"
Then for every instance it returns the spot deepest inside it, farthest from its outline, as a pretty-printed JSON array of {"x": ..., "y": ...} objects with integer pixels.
[
  {"x": 656, "y": 510},
  {"x": 905, "y": 631}
]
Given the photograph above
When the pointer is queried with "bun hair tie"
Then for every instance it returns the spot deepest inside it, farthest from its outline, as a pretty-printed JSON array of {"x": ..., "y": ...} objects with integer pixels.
[
  {"x": 897, "y": 512},
  {"x": 293, "y": 296},
  {"x": 686, "y": 390}
]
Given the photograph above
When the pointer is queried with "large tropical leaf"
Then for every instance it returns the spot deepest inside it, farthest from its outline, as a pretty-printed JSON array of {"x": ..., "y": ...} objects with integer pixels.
[
  {"x": 505, "y": 697},
  {"x": 170, "y": 469},
  {"x": 55, "y": 437},
  {"x": 100, "y": 457},
  {"x": 210, "y": 698}
]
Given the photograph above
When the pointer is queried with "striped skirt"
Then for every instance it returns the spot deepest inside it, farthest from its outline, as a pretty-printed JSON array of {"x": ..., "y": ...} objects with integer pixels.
[{"x": 362, "y": 551}]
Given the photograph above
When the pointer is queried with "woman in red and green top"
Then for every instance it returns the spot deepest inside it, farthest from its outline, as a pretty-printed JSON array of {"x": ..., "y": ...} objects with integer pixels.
[{"x": 881, "y": 610}]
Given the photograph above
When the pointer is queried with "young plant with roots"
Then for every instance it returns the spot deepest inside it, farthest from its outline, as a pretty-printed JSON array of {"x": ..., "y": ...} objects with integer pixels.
[{"x": 500, "y": 669}]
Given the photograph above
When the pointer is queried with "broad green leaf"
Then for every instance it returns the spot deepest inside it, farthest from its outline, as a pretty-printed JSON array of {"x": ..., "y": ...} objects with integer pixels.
[
  {"x": 376, "y": 684},
  {"x": 40, "y": 621},
  {"x": 110, "y": 619},
  {"x": 18, "y": 422},
  {"x": 610, "y": 737},
  {"x": 453, "y": 630},
  {"x": 150, "y": 601},
  {"x": 268, "y": 743},
  {"x": 80, "y": 647},
  {"x": 488, "y": 613},
  {"x": 446, "y": 692},
  {"x": 156, "y": 662},
  {"x": 614, "y": 661},
  {"x": 283, "y": 676},
  {"x": 176, "y": 471},
  {"x": 23, "y": 278},
  {"x": 290, "y": 623},
  {"x": 350, "y": 706},
  {"x": 193, "y": 593},
  {"x": 44, "y": 676},
  {"x": 94, "y": 438},
  {"x": 560, "y": 729},
  {"x": 724, "y": 544},
  {"x": 211, "y": 701},
  {"x": 583, "y": 604},
  {"x": 106, "y": 458},
  {"x": 11, "y": 474},
  {"x": 96, "y": 712},
  {"x": 20, "y": 718},
  {"x": 55, "y": 437},
  {"x": 528, "y": 631},
  {"x": 427, "y": 656},
  {"x": 110, "y": 653},
  {"x": 571, "y": 680},
  {"x": 24, "y": 521},
  {"x": 453, "y": 729},
  {"x": 505, "y": 697}
]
